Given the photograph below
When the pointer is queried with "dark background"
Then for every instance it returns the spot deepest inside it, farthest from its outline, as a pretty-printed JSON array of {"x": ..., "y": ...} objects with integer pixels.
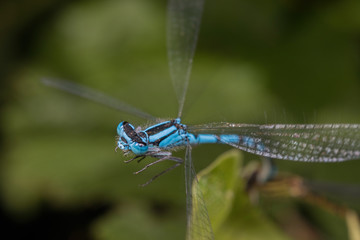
[{"x": 256, "y": 62}]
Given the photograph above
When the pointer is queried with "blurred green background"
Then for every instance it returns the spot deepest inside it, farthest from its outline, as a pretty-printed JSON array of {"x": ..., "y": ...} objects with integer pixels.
[{"x": 256, "y": 62}]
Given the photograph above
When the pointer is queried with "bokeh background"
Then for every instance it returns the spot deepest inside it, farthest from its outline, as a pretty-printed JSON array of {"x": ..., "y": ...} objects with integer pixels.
[{"x": 256, "y": 62}]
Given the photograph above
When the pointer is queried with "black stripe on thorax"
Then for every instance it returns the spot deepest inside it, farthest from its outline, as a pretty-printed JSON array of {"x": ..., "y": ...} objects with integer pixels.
[
  {"x": 162, "y": 127},
  {"x": 131, "y": 133},
  {"x": 157, "y": 142}
]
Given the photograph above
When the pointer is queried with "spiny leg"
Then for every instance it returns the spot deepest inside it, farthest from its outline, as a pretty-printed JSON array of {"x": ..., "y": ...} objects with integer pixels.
[
  {"x": 161, "y": 173},
  {"x": 179, "y": 160},
  {"x": 141, "y": 157},
  {"x": 161, "y": 157}
]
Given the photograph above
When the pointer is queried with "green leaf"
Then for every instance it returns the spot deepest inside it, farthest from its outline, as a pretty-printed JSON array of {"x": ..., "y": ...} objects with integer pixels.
[
  {"x": 231, "y": 214},
  {"x": 218, "y": 184}
]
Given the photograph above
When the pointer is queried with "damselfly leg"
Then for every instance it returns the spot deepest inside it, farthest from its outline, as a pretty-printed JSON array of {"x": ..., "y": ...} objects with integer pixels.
[{"x": 160, "y": 158}]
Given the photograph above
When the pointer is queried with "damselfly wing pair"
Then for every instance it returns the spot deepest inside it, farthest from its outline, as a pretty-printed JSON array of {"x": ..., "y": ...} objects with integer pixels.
[{"x": 306, "y": 142}]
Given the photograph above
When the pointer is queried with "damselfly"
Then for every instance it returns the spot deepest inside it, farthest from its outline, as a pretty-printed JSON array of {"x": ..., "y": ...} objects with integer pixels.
[{"x": 313, "y": 143}]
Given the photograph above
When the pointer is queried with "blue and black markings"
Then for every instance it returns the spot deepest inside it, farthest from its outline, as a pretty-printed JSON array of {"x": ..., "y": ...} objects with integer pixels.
[{"x": 170, "y": 134}]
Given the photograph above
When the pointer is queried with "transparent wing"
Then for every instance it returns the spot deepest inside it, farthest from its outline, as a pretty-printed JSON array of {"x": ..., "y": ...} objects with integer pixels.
[
  {"x": 95, "y": 96},
  {"x": 198, "y": 222},
  {"x": 183, "y": 22},
  {"x": 311, "y": 142}
]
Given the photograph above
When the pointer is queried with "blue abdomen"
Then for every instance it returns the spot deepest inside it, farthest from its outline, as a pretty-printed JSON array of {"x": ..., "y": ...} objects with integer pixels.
[{"x": 224, "y": 139}]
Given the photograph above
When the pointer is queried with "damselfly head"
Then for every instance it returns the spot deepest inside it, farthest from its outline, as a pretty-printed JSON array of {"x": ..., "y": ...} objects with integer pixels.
[
  {"x": 130, "y": 140},
  {"x": 122, "y": 144},
  {"x": 120, "y": 128}
]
